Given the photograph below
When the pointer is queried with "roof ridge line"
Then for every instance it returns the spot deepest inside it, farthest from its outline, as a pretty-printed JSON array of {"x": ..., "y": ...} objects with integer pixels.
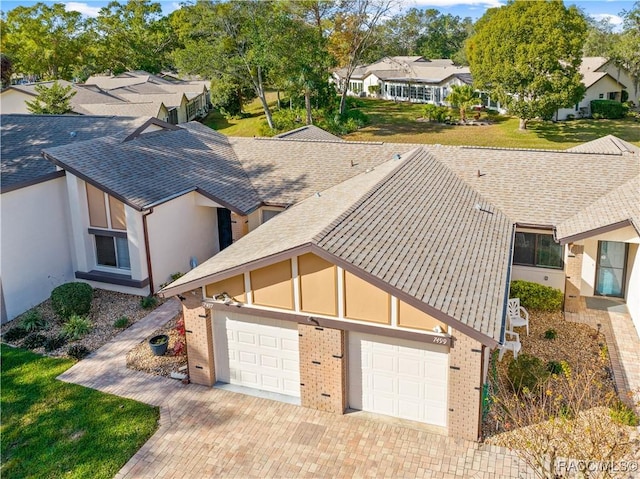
[
  {"x": 312, "y": 140},
  {"x": 411, "y": 155},
  {"x": 540, "y": 150}
]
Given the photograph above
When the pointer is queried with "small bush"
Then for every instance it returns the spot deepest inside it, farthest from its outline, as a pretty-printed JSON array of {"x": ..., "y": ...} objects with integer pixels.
[
  {"x": 54, "y": 342},
  {"x": 536, "y": 296},
  {"x": 78, "y": 351},
  {"x": 76, "y": 327},
  {"x": 15, "y": 333},
  {"x": 554, "y": 367},
  {"x": 550, "y": 334},
  {"x": 34, "y": 340},
  {"x": 72, "y": 298},
  {"x": 148, "y": 302},
  {"x": 526, "y": 372},
  {"x": 623, "y": 414},
  {"x": 121, "y": 323},
  {"x": 33, "y": 321},
  {"x": 570, "y": 117},
  {"x": 608, "y": 109}
]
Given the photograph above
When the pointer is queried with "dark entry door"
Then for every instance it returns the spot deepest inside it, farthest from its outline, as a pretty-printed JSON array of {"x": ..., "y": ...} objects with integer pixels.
[
  {"x": 224, "y": 228},
  {"x": 610, "y": 271}
]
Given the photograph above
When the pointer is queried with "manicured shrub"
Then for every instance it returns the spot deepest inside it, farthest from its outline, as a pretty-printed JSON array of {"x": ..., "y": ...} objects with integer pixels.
[
  {"x": 33, "y": 321},
  {"x": 34, "y": 340},
  {"x": 608, "y": 109},
  {"x": 536, "y": 296},
  {"x": 554, "y": 367},
  {"x": 54, "y": 342},
  {"x": 148, "y": 302},
  {"x": 121, "y": 323},
  {"x": 623, "y": 414},
  {"x": 15, "y": 333},
  {"x": 550, "y": 334},
  {"x": 526, "y": 372},
  {"x": 76, "y": 327},
  {"x": 78, "y": 351},
  {"x": 72, "y": 298}
]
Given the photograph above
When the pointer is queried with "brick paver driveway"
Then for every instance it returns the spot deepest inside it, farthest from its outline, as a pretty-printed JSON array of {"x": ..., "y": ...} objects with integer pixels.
[{"x": 211, "y": 433}]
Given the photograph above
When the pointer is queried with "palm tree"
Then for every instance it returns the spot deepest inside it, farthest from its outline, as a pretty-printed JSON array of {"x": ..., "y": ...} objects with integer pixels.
[{"x": 464, "y": 97}]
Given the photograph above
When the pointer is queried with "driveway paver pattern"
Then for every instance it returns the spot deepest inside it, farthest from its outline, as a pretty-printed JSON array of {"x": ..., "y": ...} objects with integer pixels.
[{"x": 208, "y": 432}]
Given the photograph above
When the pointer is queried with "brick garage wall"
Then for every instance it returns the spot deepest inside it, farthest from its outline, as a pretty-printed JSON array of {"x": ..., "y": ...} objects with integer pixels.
[
  {"x": 197, "y": 323},
  {"x": 323, "y": 370},
  {"x": 574, "y": 279},
  {"x": 465, "y": 387}
]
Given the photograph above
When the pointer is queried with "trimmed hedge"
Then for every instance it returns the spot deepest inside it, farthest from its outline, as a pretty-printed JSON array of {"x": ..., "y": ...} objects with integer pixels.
[
  {"x": 536, "y": 296},
  {"x": 610, "y": 109},
  {"x": 71, "y": 298}
]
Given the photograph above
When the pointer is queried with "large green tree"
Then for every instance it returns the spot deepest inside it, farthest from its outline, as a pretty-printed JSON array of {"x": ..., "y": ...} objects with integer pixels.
[
  {"x": 528, "y": 54},
  {"x": 627, "y": 50},
  {"x": 53, "y": 100},
  {"x": 132, "y": 36},
  {"x": 44, "y": 40}
]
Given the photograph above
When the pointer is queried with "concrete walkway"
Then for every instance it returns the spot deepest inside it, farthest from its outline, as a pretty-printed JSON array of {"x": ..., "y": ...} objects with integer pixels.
[{"x": 207, "y": 432}]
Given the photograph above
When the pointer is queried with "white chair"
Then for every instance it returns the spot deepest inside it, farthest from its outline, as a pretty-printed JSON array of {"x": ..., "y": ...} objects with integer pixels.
[
  {"x": 517, "y": 315},
  {"x": 513, "y": 346}
]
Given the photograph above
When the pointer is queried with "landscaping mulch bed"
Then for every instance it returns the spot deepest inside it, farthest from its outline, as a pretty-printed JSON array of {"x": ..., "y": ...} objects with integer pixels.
[
  {"x": 106, "y": 308},
  {"x": 141, "y": 358}
]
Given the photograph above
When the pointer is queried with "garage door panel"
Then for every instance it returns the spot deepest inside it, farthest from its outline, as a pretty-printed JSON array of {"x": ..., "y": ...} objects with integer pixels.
[
  {"x": 257, "y": 352},
  {"x": 396, "y": 377}
]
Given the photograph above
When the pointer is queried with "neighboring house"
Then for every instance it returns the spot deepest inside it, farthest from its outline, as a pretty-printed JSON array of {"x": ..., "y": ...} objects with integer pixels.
[
  {"x": 414, "y": 79},
  {"x": 14, "y": 99},
  {"x": 129, "y": 94},
  {"x": 36, "y": 251},
  {"x": 386, "y": 292},
  {"x": 604, "y": 81}
]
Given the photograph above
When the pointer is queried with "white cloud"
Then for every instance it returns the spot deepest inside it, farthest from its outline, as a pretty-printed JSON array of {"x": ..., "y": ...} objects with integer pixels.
[
  {"x": 612, "y": 19},
  {"x": 83, "y": 8}
]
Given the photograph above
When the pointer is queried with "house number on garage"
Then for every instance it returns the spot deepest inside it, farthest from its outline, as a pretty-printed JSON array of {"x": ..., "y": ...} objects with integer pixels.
[{"x": 439, "y": 340}]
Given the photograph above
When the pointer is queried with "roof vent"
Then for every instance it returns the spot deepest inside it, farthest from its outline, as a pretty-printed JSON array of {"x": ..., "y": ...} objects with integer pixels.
[
  {"x": 480, "y": 208},
  {"x": 317, "y": 194},
  {"x": 397, "y": 156},
  {"x": 73, "y": 134}
]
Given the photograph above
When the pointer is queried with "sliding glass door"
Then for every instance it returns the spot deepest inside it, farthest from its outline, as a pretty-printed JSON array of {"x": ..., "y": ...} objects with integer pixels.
[{"x": 611, "y": 268}]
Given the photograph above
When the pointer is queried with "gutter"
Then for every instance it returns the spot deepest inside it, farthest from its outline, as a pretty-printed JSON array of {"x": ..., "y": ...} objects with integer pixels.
[
  {"x": 508, "y": 285},
  {"x": 145, "y": 232}
]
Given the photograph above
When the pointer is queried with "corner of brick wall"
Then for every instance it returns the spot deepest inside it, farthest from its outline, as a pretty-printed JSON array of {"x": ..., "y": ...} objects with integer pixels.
[
  {"x": 197, "y": 323},
  {"x": 465, "y": 387},
  {"x": 574, "y": 279},
  {"x": 322, "y": 368}
]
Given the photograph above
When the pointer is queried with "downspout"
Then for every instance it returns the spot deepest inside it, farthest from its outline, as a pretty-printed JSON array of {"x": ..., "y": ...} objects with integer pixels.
[
  {"x": 147, "y": 250},
  {"x": 508, "y": 286}
]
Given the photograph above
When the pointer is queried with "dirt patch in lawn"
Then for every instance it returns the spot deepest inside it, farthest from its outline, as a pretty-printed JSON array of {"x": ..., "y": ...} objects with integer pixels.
[
  {"x": 141, "y": 358},
  {"x": 106, "y": 308}
]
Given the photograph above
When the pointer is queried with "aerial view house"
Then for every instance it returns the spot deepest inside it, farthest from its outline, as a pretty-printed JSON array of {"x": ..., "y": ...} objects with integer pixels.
[
  {"x": 604, "y": 80},
  {"x": 335, "y": 274},
  {"x": 387, "y": 291},
  {"x": 134, "y": 93}
]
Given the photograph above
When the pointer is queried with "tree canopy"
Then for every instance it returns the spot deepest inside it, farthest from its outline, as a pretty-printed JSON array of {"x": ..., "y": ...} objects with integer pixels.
[
  {"x": 53, "y": 100},
  {"x": 528, "y": 54}
]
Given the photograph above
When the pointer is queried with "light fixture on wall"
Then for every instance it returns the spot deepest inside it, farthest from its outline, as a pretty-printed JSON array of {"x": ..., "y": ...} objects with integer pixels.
[{"x": 437, "y": 329}]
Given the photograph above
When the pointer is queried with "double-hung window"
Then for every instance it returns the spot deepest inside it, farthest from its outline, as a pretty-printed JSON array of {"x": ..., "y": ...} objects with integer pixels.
[
  {"x": 537, "y": 249},
  {"x": 109, "y": 229}
]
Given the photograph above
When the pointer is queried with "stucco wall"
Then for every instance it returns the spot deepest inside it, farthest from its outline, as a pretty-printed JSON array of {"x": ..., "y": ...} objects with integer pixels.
[
  {"x": 179, "y": 230},
  {"x": 546, "y": 276},
  {"x": 633, "y": 285},
  {"x": 621, "y": 75},
  {"x": 36, "y": 253},
  {"x": 12, "y": 101},
  {"x": 602, "y": 86}
]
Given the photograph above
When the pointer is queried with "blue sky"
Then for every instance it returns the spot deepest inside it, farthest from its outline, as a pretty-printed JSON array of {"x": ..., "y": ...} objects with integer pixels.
[{"x": 464, "y": 8}]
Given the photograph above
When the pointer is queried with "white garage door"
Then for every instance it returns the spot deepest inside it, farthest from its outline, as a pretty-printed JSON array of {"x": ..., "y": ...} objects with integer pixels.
[
  {"x": 400, "y": 378},
  {"x": 256, "y": 352}
]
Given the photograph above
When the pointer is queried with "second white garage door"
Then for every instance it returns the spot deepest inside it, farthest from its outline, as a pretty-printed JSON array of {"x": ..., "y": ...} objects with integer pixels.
[
  {"x": 256, "y": 352},
  {"x": 400, "y": 378}
]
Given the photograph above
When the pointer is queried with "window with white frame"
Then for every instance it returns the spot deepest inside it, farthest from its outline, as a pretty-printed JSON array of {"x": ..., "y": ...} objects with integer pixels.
[{"x": 109, "y": 229}]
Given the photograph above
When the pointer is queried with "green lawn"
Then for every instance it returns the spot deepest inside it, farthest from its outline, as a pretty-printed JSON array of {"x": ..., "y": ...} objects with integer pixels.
[
  {"x": 52, "y": 429},
  {"x": 396, "y": 123}
]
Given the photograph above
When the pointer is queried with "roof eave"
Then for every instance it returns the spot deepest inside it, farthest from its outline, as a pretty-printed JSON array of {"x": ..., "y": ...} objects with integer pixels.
[{"x": 597, "y": 231}]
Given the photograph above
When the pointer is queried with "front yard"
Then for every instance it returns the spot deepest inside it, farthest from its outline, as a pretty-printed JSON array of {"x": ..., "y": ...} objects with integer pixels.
[{"x": 55, "y": 429}]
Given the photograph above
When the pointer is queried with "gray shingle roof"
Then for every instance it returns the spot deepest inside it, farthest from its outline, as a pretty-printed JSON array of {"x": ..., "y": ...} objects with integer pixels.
[
  {"x": 608, "y": 145},
  {"x": 157, "y": 166},
  {"x": 287, "y": 171},
  {"x": 25, "y": 136},
  {"x": 411, "y": 224},
  {"x": 309, "y": 132},
  {"x": 621, "y": 204}
]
